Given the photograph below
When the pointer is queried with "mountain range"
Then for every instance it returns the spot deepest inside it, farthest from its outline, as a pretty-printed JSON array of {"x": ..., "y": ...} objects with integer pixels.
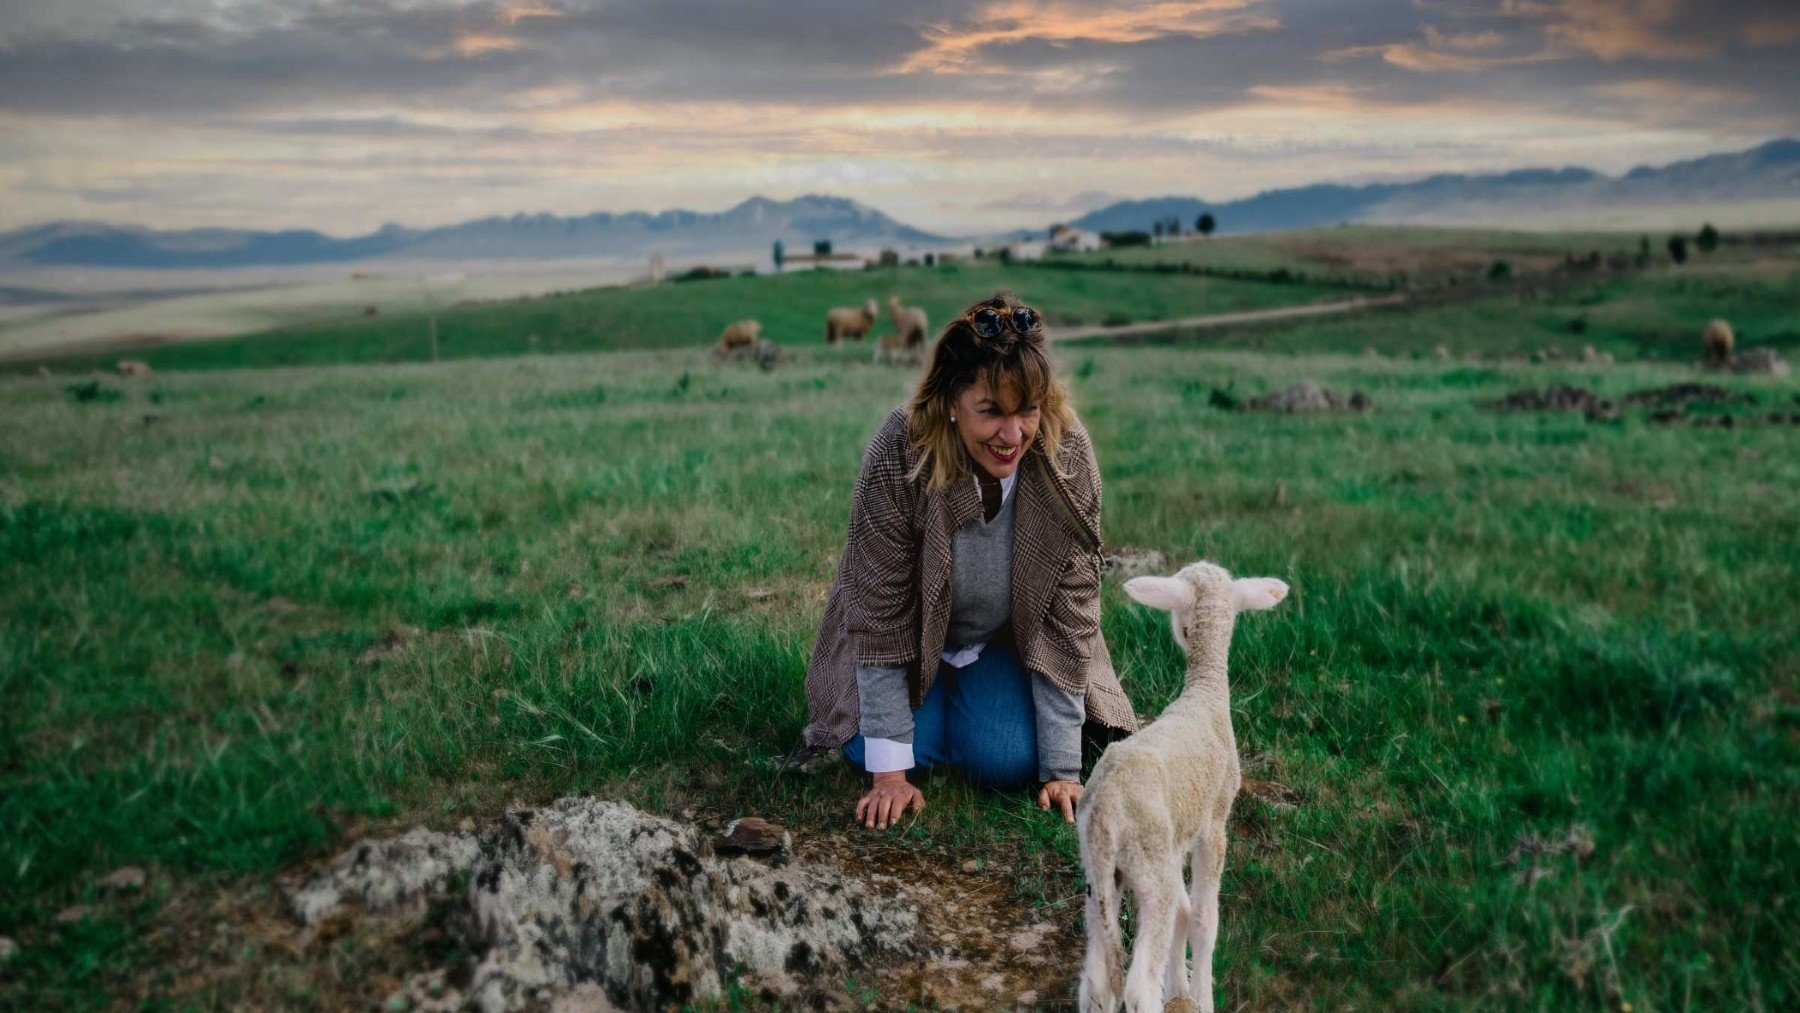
[
  {"x": 750, "y": 226},
  {"x": 1771, "y": 171},
  {"x": 1768, "y": 172}
]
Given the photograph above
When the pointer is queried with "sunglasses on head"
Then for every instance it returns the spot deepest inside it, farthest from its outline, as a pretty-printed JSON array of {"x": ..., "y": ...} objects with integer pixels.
[{"x": 988, "y": 321}]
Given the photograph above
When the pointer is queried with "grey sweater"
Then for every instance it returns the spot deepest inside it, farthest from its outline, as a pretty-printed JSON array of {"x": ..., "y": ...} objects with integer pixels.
[{"x": 980, "y": 610}]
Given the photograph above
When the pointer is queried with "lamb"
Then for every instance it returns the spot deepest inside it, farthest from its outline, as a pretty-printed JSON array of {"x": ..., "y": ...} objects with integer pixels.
[
  {"x": 1163, "y": 794},
  {"x": 744, "y": 332},
  {"x": 849, "y": 322},
  {"x": 1718, "y": 343},
  {"x": 909, "y": 321}
]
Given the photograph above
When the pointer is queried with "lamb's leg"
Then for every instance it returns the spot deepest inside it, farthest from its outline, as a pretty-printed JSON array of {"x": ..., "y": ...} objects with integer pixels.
[
  {"x": 1158, "y": 891},
  {"x": 1209, "y": 866},
  {"x": 1100, "y": 971},
  {"x": 1175, "y": 975}
]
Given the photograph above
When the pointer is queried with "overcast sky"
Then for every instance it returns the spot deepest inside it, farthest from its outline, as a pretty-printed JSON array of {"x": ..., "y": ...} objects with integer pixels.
[{"x": 949, "y": 114}]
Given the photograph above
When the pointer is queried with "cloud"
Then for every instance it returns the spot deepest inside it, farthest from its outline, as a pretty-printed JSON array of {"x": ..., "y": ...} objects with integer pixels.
[{"x": 429, "y": 110}]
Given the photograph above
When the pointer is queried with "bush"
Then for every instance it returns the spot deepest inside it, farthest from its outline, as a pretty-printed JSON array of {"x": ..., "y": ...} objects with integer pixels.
[
  {"x": 1499, "y": 270},
  {"x": 91, "y": 390},
  {"x": 1133, "y": 237},
  {"x": 1708, "y": 239}
]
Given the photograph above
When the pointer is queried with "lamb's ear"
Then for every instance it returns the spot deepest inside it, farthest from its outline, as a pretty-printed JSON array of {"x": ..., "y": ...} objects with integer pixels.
[
  {"x": 1171, "y": 594},
  {"x": 1252, "y": 594}
]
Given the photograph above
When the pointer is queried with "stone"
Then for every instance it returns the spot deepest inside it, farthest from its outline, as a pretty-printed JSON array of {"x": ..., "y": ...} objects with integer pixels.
[
  {"x": 1760, "y": 360},
  {"x": 395, "y": 875},
  {"x": 1309, "y": 397},
  {"x": 125, "y": 879},
  {"x": 8, "y": 948},
  {"x": 753, "y": 835},
  {"x": 77, "y": 913},
  {"x": 1127, "y": 562},
  {"x": 637, "y": 907}
]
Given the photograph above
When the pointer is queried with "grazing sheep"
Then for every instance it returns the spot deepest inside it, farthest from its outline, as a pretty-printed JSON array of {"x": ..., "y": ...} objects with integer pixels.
[
  {"x": 132, "y": 367},
  {"x": 909, "y": 321},
  {"x": 849, "y": 322},
  {"x": 744, "y": 332},
  {"x": 1165, "y": 794},
  {"x": 891, "y": 348},
  {"x": 1718, "y": 343}
]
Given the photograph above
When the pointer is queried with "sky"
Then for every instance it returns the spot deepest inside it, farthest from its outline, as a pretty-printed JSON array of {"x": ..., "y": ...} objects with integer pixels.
[{"x": 953, "y": 115}]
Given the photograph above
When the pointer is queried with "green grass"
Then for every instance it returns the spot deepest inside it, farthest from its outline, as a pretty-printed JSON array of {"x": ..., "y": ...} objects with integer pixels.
[
  {"x": 791, "y": 308},
  {"x": 301, "y": 600}
]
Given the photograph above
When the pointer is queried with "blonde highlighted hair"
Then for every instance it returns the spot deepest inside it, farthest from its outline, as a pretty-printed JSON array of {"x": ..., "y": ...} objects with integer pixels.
[{"x": 1019, "y": 372}]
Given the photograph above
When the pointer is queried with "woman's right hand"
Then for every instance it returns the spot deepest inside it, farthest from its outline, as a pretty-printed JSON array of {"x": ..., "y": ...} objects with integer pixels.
[{"x": 891, "y": 796}]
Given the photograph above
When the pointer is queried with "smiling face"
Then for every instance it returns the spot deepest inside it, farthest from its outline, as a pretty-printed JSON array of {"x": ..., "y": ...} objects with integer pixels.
[{"x": 997, "y": 427}]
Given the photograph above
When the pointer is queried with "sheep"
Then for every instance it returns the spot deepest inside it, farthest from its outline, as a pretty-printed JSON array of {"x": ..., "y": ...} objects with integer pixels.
[
  {"x": 909, "y": 321},
  {"x": 1163, "y": 794},
  {"x": 1718, "y": 343},
  {"x": 849, "y": 322},
  {"x": 744, "y": 332}
]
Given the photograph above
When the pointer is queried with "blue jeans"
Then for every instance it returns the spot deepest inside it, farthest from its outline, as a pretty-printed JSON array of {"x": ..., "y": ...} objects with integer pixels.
[{"x": 979, "y": 719}]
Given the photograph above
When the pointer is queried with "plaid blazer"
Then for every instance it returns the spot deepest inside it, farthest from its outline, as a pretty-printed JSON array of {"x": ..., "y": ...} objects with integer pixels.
[{"x": 890, "y": 600}]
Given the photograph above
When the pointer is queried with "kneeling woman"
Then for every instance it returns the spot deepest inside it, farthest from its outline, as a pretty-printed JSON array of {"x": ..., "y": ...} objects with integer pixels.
[{"x": 963, "y": 626}]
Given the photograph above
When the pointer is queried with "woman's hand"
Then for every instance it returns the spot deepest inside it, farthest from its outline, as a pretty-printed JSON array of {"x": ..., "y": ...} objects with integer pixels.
[
  {"x": 891, "y": 796},
  {"x": 1062, "y": 793}
]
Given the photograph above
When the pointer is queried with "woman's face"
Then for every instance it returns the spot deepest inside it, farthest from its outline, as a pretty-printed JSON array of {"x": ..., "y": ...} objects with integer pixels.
[{"x": 996, "y": 439}]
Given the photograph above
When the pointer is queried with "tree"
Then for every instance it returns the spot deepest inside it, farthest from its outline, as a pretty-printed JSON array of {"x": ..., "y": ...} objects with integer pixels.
[
  {"x": 780, "y": 254},
  {"x": 1643, "y": 257},
  {"x": 1678, "y": 249},
  {"x": 1157, "y": 230},
  {"x": 1206, "y": 223},
  {"x": 821, "y": 247},
  {"x": 1708, "y": 239}
]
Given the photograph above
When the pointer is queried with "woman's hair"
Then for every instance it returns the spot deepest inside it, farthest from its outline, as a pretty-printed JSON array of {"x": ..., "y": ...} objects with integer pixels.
[{"x": 1020, "y": 374}]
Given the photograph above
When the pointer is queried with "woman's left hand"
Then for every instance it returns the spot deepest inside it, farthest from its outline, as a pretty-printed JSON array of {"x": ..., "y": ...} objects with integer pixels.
[{"x": 1062, "y": 793}]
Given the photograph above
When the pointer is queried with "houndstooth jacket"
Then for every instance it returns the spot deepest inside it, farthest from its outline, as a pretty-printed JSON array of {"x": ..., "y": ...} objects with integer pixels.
[{"x": 890, "y": 600}]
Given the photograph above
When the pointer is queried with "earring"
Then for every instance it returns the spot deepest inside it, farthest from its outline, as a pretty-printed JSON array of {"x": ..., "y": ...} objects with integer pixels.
[{"x": 952, "y": 420}]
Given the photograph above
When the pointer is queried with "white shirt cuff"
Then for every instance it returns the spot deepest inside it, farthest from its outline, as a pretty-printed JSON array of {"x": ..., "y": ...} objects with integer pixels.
[{"x": 881, "y": 756}]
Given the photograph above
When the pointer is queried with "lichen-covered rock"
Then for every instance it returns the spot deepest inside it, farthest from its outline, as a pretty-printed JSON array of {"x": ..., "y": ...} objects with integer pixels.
[
  {"x": 1308, "y": 396},
  {"x": 591, "y": 902},
  {"x": 396, "y": 876},
  {"x": 1760, "y": 360}
]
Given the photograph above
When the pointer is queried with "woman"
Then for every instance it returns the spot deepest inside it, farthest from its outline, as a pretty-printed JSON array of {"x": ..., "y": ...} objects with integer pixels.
[{"x": 963, "y": 626}]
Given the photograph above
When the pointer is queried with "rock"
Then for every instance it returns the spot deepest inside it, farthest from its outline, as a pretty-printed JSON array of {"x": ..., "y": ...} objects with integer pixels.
[
  {"x": 1588, "y": 354},
  {"x": 42, "y": 372},
  {"x": 1308, "y": 396},
  {"x": 395, "y": 875},
  {"x": 8, "y": 948},
  {"x": 1558, "y": 397},
  {"x": 1682, "y": 395},
  {"x": 77, "y": 913},
  {"x": 754, "y": 835},
  {"x": 1760, "y": 360},
  {"x": 634, "y": 906},
  {"x": 763, "y": 353},
  {"x": 131, "y": 367},
  {"x": 1128, "y": 562},
  {"x": 125, "y": 879},
  {"x": 1441, "y": 353},
  {"x": 971, "y": 866}
]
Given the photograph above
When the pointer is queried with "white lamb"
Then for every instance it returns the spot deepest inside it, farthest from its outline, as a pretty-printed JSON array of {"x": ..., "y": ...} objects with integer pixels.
[{"x": 1162, "y": 795}]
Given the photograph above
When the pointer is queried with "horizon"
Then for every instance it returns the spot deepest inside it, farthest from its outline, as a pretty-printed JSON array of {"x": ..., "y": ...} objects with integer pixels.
[
  {"x": 956, "y": 117},
  {"x": 1397, "y": 179}
]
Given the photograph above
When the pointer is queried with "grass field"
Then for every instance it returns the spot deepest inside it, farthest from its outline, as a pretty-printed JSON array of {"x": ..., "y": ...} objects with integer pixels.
[
  {"x": 791, "y": 308},
  {"x": 249, "y": 612}
]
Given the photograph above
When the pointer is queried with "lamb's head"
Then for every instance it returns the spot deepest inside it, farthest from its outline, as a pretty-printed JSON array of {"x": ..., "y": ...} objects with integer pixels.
[
  {"x": 870, "y": 310},
  {"x": 1204, "y": 591}
]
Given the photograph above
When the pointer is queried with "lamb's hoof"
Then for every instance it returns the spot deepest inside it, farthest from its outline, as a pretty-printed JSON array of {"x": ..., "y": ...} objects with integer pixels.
[{"x": 1180, "y": 1004}]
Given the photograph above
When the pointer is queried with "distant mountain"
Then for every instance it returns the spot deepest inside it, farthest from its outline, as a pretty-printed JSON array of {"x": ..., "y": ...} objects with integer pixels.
[
  {"x": 1771, "y": 171},
  {"x": 753, "y": 225}
]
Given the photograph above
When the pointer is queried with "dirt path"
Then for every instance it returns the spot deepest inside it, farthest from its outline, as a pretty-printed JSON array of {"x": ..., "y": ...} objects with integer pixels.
[{"x": 1229, "y": 319}]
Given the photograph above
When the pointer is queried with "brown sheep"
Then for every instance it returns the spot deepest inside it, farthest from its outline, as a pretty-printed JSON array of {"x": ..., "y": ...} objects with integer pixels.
[
  {"x": 1718, "y": 343},
  {"x": 893, "y": 348},
  {"x": 744, "y": 332},
  {"x": 849, "y": 322},
  {"x": 909, "y": 321},
  {"x": 132, "y": 367}
]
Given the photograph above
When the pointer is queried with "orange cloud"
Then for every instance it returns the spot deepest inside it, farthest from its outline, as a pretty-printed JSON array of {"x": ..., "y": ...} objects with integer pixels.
[
  {"x": 954, "y": 48},
  {"x": 481, "y": 43},
  {"x": 1773, "y": 33},
  {"x": 512, "y": 14},
  {"x": 1616, "y": 29}
]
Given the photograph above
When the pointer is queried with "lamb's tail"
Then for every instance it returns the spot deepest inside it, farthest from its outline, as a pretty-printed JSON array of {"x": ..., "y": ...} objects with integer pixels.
[{"x": 1103, "y": 970}]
